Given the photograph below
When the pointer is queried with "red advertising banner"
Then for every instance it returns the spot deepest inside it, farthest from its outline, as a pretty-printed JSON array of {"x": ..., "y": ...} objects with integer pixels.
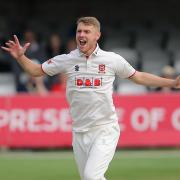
[
  {"x": 149, "y": 120},
  {"x": 44, "y": 121}
]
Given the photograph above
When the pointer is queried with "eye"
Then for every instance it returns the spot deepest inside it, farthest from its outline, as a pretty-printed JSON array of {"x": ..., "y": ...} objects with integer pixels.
[{"x": 87, "y": 31}]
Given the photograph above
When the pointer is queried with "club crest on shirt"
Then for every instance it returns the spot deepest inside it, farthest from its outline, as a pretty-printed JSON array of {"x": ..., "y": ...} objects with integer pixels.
[{"x": 102, "y": 68}]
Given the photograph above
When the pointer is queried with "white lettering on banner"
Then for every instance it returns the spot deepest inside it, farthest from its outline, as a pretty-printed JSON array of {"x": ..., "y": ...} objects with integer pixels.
[
  {"x": 33, "y": 118},
  {"x": 157, "y": 115},
  {"x": 50, "y": 120},
  {"x": 65, "y": 124},
  {"x": 140, "y": 119},
  {"x": 120, "y": 113},
  {"x": 3, "y": 118},
  {"x": 36, "y": 120},
  {"x": 176, "y": 119},
  {"x": 143, "y": 119},
  {"x": 17, "y": 120},
  {"x": 50, "y": 116}
]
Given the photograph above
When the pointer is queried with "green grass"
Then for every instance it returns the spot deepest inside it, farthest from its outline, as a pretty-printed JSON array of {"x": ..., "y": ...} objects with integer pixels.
[{"x": 126, "y": 165}]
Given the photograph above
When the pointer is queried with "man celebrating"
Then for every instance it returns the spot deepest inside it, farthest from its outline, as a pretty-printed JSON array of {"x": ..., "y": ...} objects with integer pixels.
[{"x": 90, "y": 74}]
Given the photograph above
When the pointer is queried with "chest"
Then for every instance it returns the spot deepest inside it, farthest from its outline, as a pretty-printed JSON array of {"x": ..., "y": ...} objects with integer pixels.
[
  {"x": 93, "y": 66},
  {"x": 90, "y": 73}
]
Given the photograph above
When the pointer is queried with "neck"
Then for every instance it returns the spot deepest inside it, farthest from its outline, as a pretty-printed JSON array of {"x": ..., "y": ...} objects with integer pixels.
[{"x": 88, "y": 53}]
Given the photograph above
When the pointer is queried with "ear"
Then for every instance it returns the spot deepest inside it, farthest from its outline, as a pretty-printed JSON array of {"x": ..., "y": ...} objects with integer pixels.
[{"x": 98, "y": 35}]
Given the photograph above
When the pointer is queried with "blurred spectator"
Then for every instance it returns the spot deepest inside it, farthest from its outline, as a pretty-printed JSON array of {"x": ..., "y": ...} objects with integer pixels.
[
  {"x": 35, "y": 52},
  {"x": 33, "y": 85},
  {"x": 59, "y": 86},
  {"x": 71, "y": 45},
  {"x": 54, "y": 46},
  {"x": 170, "y": 73}
]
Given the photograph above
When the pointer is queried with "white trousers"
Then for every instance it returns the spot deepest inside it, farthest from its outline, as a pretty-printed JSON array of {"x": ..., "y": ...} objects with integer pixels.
[{"x": 94, "y": 150}]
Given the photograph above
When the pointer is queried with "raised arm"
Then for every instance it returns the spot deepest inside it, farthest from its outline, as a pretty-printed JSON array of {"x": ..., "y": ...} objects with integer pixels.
[
  {"x": 148, "y": 79},
  {"x": 17, "y": 51}
]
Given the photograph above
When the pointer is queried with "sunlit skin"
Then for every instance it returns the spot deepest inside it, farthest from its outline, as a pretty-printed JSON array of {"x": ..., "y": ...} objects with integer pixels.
[{"x": 86, "y": 38}]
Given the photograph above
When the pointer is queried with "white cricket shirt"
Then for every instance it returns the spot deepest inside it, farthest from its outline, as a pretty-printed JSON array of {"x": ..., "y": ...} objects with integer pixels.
[{"x": 90, "y": 85}]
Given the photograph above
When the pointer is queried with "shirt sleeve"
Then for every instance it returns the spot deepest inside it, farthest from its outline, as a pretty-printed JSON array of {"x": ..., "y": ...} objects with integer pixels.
[
  {"x": 55, "y": 65},
  {"x": 122, "y": 68}
]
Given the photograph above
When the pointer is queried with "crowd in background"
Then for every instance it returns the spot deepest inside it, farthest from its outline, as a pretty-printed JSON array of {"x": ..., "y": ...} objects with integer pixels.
[
  {"x": 54, "y": 45},
  {"x": 126, "y": 30},
  {"x": 40, "y": 52}
]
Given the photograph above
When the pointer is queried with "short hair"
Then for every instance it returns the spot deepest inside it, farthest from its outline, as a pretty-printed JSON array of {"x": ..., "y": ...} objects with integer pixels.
[{"x": 90, "y": 21}]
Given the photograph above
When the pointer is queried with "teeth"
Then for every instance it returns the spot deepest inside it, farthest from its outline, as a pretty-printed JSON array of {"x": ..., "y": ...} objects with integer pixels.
[{"x": 82, "y": 42}]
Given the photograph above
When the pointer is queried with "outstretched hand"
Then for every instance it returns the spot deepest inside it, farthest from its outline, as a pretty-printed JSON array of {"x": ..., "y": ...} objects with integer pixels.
[
  {"x": 177, "y": 82},
  {"x": 15, "y": 49}
]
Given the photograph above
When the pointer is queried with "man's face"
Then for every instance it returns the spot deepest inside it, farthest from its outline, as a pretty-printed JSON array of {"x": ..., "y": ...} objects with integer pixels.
[{"x": 86, "y": 38}]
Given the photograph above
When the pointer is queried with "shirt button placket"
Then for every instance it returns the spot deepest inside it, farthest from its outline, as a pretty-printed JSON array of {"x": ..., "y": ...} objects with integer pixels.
[{"x": 88, "y": 63}]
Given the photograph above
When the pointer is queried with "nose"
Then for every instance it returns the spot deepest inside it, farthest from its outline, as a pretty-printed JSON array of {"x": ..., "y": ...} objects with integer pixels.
[{"x": 81, "y": 34}]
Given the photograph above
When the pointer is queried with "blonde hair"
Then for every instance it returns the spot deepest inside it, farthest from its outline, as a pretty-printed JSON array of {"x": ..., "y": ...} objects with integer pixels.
[{"x": 90, "y": 21}]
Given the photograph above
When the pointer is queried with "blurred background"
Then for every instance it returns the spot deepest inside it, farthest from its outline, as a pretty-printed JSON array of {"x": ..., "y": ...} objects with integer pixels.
[
  {"x": 145, "y": 33},
  {"x": 34, "y": 114}
]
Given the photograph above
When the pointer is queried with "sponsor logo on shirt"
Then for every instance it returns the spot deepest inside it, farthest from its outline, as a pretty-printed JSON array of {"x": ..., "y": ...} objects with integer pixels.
[
  {"x": 88, "y": 82},
  {"x": 102, "y": 68},
  {"x": 76, "y": 67}
]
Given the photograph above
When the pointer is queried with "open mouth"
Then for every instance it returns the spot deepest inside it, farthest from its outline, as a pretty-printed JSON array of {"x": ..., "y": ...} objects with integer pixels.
[{"x": 82, "y": 42}]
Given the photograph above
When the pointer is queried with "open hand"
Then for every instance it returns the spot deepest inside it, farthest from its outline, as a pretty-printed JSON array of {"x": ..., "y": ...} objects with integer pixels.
[
  {"x": 177, "y": 82},
  {"x": 15, "y": 49}
]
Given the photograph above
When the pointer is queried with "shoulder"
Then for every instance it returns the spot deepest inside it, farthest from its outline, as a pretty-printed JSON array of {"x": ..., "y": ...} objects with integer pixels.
[
  {"x": 74, "y": 53},
  {"x": 112, "y": 56},
  {"x": 68, "y": 56},
  {"x": 109, "y": 54}
]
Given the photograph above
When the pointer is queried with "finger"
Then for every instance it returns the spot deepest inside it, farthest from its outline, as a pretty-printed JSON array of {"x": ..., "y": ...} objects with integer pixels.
[
  {"x": 178, "y": 78},
  {"x": 8, "y": 44},
  {"x": 178, "y": 81},
  {"x": 5, "y": 48},
  {"x": 26, "y": 46},
  {"x": 16, "y": 40},
  {"x": 11, "y": 42}
]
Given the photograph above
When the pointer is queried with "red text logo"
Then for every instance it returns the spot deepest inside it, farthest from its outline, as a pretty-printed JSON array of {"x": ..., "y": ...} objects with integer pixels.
[{"x": 88, "y": 82}]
